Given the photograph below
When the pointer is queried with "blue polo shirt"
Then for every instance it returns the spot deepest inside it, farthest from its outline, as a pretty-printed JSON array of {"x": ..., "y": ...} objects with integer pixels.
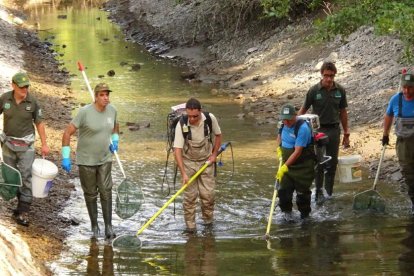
[
  {"x": 289, "y": 139},
  {"x": 407, "y": 107}
]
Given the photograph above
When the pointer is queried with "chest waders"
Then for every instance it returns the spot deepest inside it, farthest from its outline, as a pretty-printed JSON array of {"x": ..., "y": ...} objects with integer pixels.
[
  {"x": 404, "y": 129},
  {"x": 299, "y": 178},
  {"x": 132, "y": 242},
  {"x": 194, "y": 155}
]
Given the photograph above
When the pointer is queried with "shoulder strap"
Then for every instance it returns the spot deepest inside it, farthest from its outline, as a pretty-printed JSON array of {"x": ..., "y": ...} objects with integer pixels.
[
  {"x": 299, "y": 123},
  {"x": 208, "y": 125},
  {"x": 184, "y": 120},
  {"x": 400, "y": 95}
]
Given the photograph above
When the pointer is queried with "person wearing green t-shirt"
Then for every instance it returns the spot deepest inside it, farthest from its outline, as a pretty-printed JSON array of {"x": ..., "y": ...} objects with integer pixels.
[
  {"x": 21, "y": 114},
  {"x": 97, "y": 140},
  {"x": 328, "y": 101}
]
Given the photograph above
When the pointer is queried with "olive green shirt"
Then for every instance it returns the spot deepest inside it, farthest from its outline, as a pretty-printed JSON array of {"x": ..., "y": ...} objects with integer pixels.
[
  {"x": 326, "y": 104},
  {"x": 95, "y": 130},
  {"x": 19, "y": 118}
]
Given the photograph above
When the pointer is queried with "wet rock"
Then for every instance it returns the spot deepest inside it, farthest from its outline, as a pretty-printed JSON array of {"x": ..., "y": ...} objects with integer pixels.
[
  {"x": 101, "y": 76},
  {"x": 123, "y": 63},
  {"x": 111, "y": 73},
  {"x": 133, "y": 128},
  {"x": 252, "y": 50},
  {"x": 136, "y": 67},
  {"x": 188, "y": 75},
  {"x": 62, "y": 16}
]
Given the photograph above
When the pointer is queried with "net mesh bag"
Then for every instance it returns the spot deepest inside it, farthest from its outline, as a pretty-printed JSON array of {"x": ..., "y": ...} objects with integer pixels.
[
  {"x": 127, "y": 242},
  {"x": 129, "y": 199},
  {"x": 10, "y": 181}
]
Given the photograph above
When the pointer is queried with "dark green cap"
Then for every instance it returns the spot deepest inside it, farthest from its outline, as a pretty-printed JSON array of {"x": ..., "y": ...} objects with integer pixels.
[
  {"x": 407, "y": 79},
  {"x": 21, "y": 79},
  {"x": 287, "y": 112},
  {"x": 102, "y": 87}
]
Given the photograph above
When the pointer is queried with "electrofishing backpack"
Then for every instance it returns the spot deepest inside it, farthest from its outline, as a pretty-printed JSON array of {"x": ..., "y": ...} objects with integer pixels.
[{"x": 179, "y": 116}]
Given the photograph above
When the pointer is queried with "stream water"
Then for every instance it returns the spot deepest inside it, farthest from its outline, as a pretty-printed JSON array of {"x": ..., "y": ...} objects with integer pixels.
[{"x": 335, "y": 241}]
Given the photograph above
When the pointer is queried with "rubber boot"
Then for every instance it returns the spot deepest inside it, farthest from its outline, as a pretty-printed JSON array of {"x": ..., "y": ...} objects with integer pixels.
[
  {"x": 329, "y": 183},
  {"x": 107, "y": 216},
  {"x": 93, "y": 216},
  {"x": 319, "y": 176}
]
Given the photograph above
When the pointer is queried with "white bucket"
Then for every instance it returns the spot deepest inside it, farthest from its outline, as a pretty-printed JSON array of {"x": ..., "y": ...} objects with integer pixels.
[
  {"x": 350, "y": 168},
  {"x": 43, "y": 172}
]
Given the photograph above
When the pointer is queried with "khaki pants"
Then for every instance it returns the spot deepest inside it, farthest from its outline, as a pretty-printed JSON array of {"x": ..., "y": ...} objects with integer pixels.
[{"x": 203, "y": 187}]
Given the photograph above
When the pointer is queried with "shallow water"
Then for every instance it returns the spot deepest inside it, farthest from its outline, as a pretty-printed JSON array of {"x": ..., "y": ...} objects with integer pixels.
[{"x": 334, "y": 241}]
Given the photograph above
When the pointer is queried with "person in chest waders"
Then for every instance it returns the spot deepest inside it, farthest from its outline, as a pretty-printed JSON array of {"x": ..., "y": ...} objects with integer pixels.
[
  {"x": 298, "y": 169},
  {"x": 21, "y": 111},
  {"x": 329, "y": 102},
  {"x": 191, "y": 153},
  {"x": 401, "y": 107},
  {"x": 98, "y": 138}
]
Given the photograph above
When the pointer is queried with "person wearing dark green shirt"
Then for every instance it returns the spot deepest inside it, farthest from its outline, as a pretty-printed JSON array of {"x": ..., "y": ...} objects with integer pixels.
[
  {"x": 328, "y": 100},
  {"x": 21, "y": 114}
]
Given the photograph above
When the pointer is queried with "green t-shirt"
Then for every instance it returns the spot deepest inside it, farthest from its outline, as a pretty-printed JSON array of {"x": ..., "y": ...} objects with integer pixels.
[
  {"x": 95, "y": 130},
  {"x": 19, "y": 118},
  {"x": 326, "y": 104}
]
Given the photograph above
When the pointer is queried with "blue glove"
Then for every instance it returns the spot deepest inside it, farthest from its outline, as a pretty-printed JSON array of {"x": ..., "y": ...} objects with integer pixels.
[
  {"x": 66, "y": 163},
  {"x": 114, "y": 145}
]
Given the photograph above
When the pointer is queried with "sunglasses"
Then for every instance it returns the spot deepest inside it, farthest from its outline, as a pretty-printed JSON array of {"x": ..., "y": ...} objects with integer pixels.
[{"x": 329, "y": 76}]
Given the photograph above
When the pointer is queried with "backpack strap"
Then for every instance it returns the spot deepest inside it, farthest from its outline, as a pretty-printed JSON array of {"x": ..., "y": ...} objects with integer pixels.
[
  {"x": 298, "y": 124},
  {"x": 208, "y": 126},
  {"x": 400, "y": 95}
]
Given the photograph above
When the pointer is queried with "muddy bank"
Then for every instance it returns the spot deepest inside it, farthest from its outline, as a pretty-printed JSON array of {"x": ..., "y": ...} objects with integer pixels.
[
  {"x": 20, "y": 49},
  {"x": 265, "y": 67}
]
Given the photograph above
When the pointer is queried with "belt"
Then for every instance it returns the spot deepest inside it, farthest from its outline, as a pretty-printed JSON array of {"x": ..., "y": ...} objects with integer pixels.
[
  {"x": 336, "y": 125},
  {"x": 18, "y": 143}
]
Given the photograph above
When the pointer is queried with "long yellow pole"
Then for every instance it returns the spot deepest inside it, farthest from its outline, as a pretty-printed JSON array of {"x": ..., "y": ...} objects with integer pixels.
[
  {"x": 200, "y": 171},
  {"x": 272, "y": 207}
]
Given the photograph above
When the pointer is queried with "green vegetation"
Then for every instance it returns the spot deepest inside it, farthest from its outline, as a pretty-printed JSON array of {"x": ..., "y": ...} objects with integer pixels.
[{"x": 389, "y": 17}]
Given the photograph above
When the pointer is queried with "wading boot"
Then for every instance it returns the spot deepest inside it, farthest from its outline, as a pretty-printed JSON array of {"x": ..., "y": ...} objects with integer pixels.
[
  {"x": 329, "y": 183},
  {"x": 319, "y": 196},
  {"x": 107, "y": 215},
  {"x": 93, "y": 216},
  {"x": 288, "y": 216}
]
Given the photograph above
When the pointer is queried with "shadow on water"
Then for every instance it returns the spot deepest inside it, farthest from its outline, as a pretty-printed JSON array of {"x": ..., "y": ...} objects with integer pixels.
[{"x": 334, "y": 241}]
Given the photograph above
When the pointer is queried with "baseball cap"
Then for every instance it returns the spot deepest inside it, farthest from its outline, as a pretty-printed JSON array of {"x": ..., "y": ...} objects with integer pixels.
[
  {"x": 287, "y": 112},
  {"x": 21, "y": 79},
  {"x": 102, "y": 87},
  {"x": 407, "y": 79}
]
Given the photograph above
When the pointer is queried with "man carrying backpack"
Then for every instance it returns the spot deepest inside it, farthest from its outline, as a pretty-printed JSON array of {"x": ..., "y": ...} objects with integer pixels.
[
  {"x": 193, "y": 147},
  {"x": 297, "y": 171}
]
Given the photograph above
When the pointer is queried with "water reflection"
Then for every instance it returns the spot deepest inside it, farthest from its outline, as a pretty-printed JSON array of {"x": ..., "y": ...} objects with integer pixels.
[
  {"x": 200, "y": 256},
  {"x": 92, "y": 267},
  {"x": 406, "y": 259},
  {"x": 308, "y": 248}
]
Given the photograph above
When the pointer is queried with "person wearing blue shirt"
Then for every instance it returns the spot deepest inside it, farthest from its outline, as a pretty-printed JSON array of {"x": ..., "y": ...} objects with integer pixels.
[
  {"x": 297, "y": 171},
  {"x": 401, "y": 107}
]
